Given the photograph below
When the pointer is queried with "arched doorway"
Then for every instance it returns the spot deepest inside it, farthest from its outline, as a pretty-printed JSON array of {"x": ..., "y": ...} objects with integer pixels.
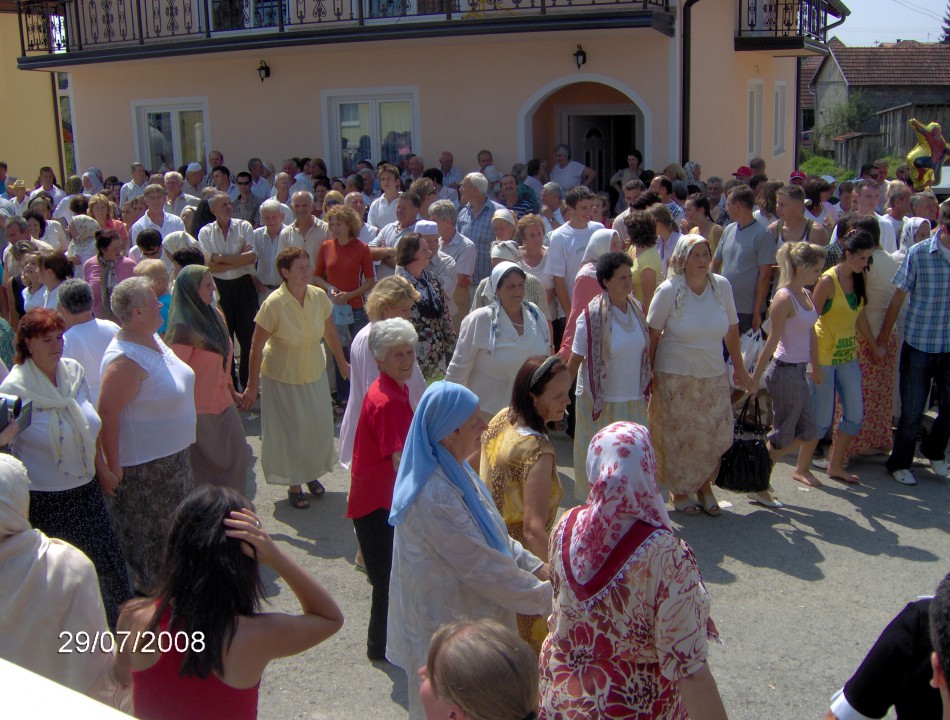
[{"x": 598, "y": 117}]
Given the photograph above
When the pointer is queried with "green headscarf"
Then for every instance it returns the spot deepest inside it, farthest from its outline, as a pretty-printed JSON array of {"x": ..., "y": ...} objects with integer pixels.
[{"x": 191, "y": 321}]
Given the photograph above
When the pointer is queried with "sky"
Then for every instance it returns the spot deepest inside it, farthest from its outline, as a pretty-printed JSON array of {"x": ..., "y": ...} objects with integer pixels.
[{"x": 873, "y": 21}]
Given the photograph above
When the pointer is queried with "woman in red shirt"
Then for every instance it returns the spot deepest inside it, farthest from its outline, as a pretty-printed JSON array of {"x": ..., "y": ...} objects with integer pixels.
[{"x": 380, "y": 435}]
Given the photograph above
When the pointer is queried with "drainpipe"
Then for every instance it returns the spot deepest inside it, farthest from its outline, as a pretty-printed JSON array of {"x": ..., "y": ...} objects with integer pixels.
[
  {"x": 798, "y": 113},
  {"x": 687, "y": 76}
]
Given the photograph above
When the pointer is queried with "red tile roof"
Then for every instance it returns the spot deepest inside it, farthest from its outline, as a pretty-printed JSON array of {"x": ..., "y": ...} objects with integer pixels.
[{"x": 907, "y": 63}]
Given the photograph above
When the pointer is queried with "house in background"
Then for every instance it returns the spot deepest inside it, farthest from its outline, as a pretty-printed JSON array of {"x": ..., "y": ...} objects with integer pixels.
[
  {"x": 28, "y": 124},
  {"x": 164, "y": 81},
  {"x": 889, "y": 76}
]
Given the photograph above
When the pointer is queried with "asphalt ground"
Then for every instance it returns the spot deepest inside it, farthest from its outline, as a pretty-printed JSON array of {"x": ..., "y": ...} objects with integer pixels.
[{"x": 799, "y": 595}]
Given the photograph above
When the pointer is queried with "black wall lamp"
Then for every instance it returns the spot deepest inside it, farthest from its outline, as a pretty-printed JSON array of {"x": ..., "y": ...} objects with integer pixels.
[
  {"x": 264, "y": 70},
  {"x": 580, "y": 57}
]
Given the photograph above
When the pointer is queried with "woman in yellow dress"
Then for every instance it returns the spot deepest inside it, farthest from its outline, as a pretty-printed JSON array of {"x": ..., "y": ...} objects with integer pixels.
[{"x": 517, "y": 464}]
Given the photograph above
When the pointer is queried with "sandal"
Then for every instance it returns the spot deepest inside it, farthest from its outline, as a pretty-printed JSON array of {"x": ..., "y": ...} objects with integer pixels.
[
  {"x": 709, "y": 504},
  {"x": 686, "y": 506},
  {"x": 316, "y": 488},
  {"x": 298, "y": 500}
]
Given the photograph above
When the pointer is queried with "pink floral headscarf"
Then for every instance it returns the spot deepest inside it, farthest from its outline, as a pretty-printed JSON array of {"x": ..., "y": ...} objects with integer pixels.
[{"x": 621, "y": 466}]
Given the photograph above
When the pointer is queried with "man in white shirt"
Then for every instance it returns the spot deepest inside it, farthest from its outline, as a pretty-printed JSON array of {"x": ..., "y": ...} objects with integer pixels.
[
  {"x": 176, "y": 200},
  {"x": 228, "y": 245},
  {"x": 898, "y": 206},
  {"x": 445, "y": 215},
  {"x": 194, "y": 179},
  {"x": 306, "y": 231},
  {"x": 48, "y": 185},
  {"x": 266, "y": 246},
  {"x": 382, "y": 210},
  {"x": 868, "y": 195},
  {"x": 451, "y": 175},
  {"x": 20, "y": 197},
  {"x": 134, "y": 187},
  {"x": 567, "y": 246},
  {"x": 86, "y": 338},
  {"x": 155, "y": 216},
  {"x": 354, "y": 201},
  {"x": 259, "y": 185},
  {"x": 552, "y": 206},
  {"x": 383, "y": 246},
  {"x": 569, "y": 173}
]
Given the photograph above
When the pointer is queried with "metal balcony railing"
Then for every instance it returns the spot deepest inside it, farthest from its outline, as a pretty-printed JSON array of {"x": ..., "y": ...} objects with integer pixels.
[
  {"x": 783, "y": 19},
  {"x": 62, "y": 26}
]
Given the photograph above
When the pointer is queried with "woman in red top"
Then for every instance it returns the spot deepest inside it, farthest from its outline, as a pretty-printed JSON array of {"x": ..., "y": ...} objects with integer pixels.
[
  {"x": 380, "y": 435},
  {"x": 198, "y": 649},
  {"x": 344, "y": 271}
]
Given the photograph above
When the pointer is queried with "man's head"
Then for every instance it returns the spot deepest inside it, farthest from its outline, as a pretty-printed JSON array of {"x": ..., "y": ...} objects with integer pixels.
[
  {"x": 898, "y": 198},
  {"x": 415, "y": 167},
  {"x": 3, "y": 170},
  {"x": 139, "y": 173},
  {"x": 368, "y": 177},
  {"x": 282, "y": 182},
  {"x": 155, "y": 198},
  {"x": 740, "y": 204},
  {"x": 272, "y": 215},
  {"x": 194, "y": 174},
  {"x": 940, "y": 640},
  {"x": 474, "y": 188},
  {"x": 446, "y": 160},
  {"x": 290, "y": 166},
  {"x": 552, "y": 195},
  {"x": 75, "y": 301},
  {"x": 17, "y": 230},
  {"x": 714, "y": 190},
  {"x": 302, "y": 205},
  {"x": 407, "y": 208},
  {"x": 389, "y": 178},
  {"x": 632, "y": 189},
  {"x": 425, "y": 189},
  {"x": 243, "y": 182},
  {"x": 354, "y": 183},
  {"x": 215, "y": 159},
  {"x": 757, "y": 166},
  {"x": 173, "y": 182},
  {"x": 581, "y": 201},
  {"x": 47, "y": 177},
  {"x": 868, "y": 196},
  {"x": 663, "y": 187},
  {"x": 943, "y": 216},
  {"x": 17, "y": 189},
  {"x": 444, "y": 214},
  {"x": 924, "y": 204},
  {"x": 149, "y": 242},
  {"x": 221, "y": 178},
  {"x": 562, "y": 155},
  {"x": 869, "y": 171},
  {"x": 509, "y": 188},
  {"x": 221, "y": 207},
  {"x": 355, "y": 201},
  {"x": 255, "y": 166},
  {"x": 485, "y": 159}
]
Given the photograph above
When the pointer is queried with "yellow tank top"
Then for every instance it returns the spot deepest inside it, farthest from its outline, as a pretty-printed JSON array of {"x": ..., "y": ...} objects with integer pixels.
[{"x": 837, "y": 326}]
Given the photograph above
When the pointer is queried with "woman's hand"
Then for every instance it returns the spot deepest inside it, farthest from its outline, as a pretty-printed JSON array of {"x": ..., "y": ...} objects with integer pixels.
[
  {"x": 344, "y": 368},
  {"x": 744, "y": 380},
  {"x": 247, "y": 398},
  {"x": 9, "y": 433},
  {"x": 108, "y": 481},
  {"x": 543, "y": 573},
  {"x": 880, "y": 354},
  {"x": 245, "y": 526}
]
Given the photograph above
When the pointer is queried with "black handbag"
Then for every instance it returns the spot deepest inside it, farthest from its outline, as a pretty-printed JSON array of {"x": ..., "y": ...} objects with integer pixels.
[{"x": 746, "y": 466}]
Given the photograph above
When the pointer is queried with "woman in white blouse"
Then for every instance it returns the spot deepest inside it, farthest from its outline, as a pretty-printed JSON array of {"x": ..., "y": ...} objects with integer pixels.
[
  {"x": 691, "y": 420},
  {"x": 534, "y": 257},
  {"x": 452, "y": 556},
  {"x": 610, "y": 347},
  {"x": 53, "y": 269},
  {"x": 495, "y": 340}
]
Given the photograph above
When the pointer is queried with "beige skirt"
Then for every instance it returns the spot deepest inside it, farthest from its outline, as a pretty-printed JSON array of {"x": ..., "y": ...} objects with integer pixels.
[
  {"x": 296, "y": 431},
  {"x": 220, "y": 453},
  {"x": 691, "y": 424},
  {"x": 585, "y": 428}
]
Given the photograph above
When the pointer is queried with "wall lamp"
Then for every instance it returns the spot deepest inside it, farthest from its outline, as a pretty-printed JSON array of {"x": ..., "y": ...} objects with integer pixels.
[
  {"x": 264, "y": 70},
  {"x": 580, "y": 57}
]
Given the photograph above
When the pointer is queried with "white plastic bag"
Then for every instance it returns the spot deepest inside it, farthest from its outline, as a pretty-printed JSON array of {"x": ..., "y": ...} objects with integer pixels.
[{"x": 751, "y": 343}]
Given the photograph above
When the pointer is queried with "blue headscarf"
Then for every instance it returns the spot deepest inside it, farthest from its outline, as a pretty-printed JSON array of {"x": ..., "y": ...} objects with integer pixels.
[{"x": 442, "y": 410}]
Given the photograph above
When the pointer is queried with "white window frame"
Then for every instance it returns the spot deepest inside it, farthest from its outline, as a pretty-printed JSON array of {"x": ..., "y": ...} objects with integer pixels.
[
  {"x": 173, "y": 105},
  {"x": 780, "y": 100},
  {"x": 756, "y": 105},
  {"x": 331, "y": 99}
]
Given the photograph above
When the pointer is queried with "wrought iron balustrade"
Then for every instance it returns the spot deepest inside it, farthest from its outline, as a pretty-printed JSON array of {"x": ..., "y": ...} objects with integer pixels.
[
  {"x": 783, "y": 19},
  {"x": 59, "y": 26}
]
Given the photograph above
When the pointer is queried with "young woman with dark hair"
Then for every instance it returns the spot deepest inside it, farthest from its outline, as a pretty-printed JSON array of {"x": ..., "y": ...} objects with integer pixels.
[{"x": 198, "y": 649}]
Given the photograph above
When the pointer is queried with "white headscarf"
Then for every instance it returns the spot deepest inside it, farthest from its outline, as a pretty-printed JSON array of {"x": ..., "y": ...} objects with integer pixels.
[
  {"x": 599, "y": 244},
  {"x": 499, "y": 318}
]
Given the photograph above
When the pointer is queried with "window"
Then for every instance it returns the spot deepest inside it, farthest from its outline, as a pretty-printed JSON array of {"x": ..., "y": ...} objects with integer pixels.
[
  {"x": 778, "y": 144},
  {"x": 170, "y": 133},
  {"x": 376, "y": 124},
  {"x": 756, "y": 89}
]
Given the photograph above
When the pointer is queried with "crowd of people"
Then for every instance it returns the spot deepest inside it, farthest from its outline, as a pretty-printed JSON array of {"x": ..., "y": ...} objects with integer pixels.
[{"x": 468, "y": 317}]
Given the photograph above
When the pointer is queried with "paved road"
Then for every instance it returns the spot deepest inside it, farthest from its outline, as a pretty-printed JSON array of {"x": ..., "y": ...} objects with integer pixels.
[{"x": 799, "y": 594}]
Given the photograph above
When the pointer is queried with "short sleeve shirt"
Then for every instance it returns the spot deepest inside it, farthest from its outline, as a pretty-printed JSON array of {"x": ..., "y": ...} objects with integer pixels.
[
  {"x": 293, "y": 353},
  {"x": 924, "y": 275},
  {"x": 742, "y": 251},
  {"x": 345, "y": 267}
]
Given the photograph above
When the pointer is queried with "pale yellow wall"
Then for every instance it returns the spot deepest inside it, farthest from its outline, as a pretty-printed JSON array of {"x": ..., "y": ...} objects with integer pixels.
[
  {"x": 720, "y": 88},
  {"x": 28, "y": 120},
  {"x": 471, "y": 90}
]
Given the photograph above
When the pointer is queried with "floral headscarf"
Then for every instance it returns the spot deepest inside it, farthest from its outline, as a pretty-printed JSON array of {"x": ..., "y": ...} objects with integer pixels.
[
  {"x": 909, "y": 232},
  {"x": 676, "y": 272},
  {"x": 621, "y": 465}
]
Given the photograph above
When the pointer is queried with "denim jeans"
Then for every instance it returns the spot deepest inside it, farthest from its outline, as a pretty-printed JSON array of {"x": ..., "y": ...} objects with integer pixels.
[
  {"x": 347, "y": 333},
  {"x": 918, "y": 369},
  {"x": 846, "y": 381}
]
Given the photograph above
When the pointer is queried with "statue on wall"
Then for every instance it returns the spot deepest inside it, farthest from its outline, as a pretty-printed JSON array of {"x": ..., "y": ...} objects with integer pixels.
[{"x": 927, "y": 157}]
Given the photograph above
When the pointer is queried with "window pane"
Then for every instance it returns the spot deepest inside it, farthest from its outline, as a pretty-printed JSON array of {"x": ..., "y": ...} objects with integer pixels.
[
  {"x": 395, "y": 130},
  {"x": 191, "y": 131},
  {"x": 160, "y": 146},
  {"x": 355, "y": 134}
]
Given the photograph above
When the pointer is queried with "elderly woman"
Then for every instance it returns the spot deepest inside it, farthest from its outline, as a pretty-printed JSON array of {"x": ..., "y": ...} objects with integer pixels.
[
  {"x": 82, "y": 243},
  {"x": 496, "y": 340},
  {"x": 56, "y": 596},
  {"x": 915, "y": 230},
  {"x": 610, "y": 359},
  {"x": 452, "y": 556},
  {"x": 106, "y": 270},
  {"x": 147, "y": 406},
  {"x": 631, "y": 626},
  {"x": 59, "y": 451},
  {"x": 692, "y": 312},
  {"x": 391, "y": 297},
  {"x": 383, "y": 425},
  {"x": 430, "y": 315},
  {"x": 534, "y": 258},
  {"x": 519, "y": 467},
  {"x": 288, "y": 364},
  {"x": 197, "y": 333},
  {"x": 586, "y": 287},
  {"x": 100, "y": 209},
  {"x": 53, "y": 269},
  {"x": 91, "y": 183}
]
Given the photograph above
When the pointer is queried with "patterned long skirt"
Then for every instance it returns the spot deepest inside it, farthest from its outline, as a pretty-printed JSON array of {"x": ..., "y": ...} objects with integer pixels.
[
  {"x": 78, "y": 516},
  {"x": 877, "y": 387},
  {"x": 691, "y": 425},
  {"x": 142, "y": 510}
]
